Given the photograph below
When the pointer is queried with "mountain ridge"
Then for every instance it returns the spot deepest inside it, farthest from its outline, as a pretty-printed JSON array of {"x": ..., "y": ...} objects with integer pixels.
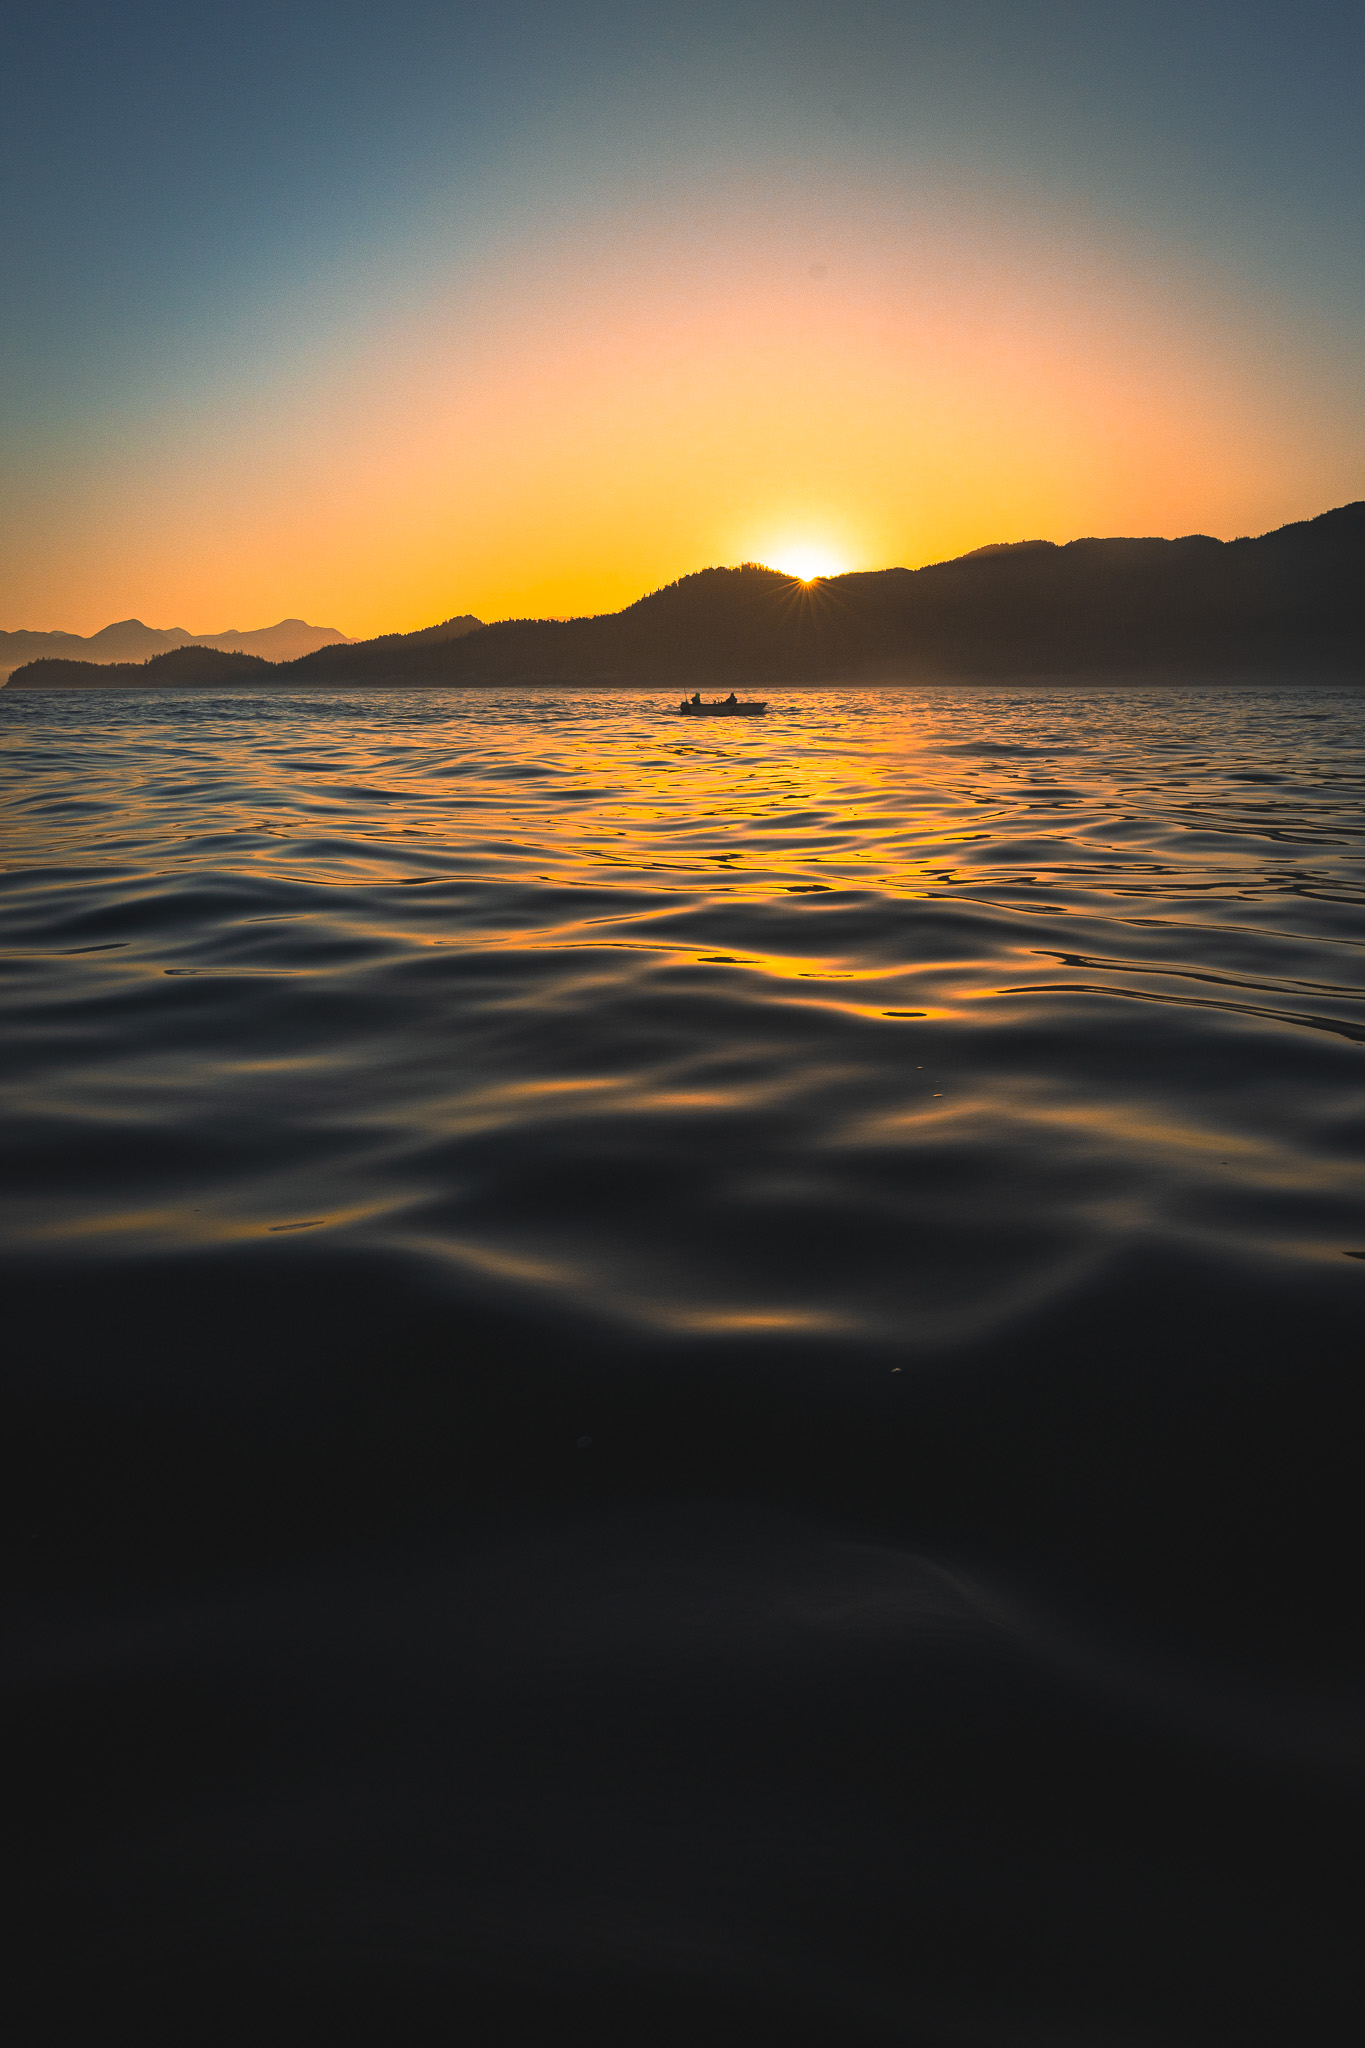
[
  {"x": 130, "y": 640},
  {"x": 1291, "y": 601}
]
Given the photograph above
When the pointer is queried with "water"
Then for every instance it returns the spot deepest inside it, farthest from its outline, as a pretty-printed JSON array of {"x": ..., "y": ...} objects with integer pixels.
[{"x": 679, "y": 1385}]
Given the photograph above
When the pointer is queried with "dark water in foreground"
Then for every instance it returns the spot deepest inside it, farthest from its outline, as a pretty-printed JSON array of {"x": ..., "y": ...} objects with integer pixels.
[{"x": 681, "y": 1386}]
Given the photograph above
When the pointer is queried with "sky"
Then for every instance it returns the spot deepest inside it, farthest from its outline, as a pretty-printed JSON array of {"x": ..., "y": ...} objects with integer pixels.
[{"x": 372, "y": 316}]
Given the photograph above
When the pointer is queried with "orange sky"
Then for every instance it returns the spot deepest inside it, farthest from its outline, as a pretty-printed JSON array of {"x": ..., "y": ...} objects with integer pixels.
[{"x": 834, "y": 376}]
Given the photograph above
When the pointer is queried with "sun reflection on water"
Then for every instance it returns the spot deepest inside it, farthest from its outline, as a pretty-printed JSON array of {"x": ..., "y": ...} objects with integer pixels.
[{"x": 872, "y": 1013}]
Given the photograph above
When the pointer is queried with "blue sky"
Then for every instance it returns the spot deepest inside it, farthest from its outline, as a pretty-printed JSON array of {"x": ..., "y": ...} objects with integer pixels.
[{"x": 200, "y": 199}]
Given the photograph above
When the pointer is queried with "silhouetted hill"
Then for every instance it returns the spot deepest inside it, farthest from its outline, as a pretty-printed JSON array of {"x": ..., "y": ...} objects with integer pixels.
[
  {"x": 374, "y": 659},
  {"x": 1292, "y": 601},
  {"x": 1289, "y": 603},
  {"x": 283, "y": 642},
  {"x": 130, "y": 640},
  {"x": 181, "y": 667},
  {"x": 48, "y": 673}
]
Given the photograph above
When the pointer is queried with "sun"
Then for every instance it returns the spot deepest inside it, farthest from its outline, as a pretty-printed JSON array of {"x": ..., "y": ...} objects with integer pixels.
[
  {"x": 808, "y": 561},
  {"x": 803, "y": 556}
]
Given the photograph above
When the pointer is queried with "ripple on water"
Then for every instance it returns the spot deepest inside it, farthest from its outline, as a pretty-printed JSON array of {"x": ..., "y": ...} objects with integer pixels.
[
  {"x": 732, "y": 1364},
  {"x": 349, "y": 994}
]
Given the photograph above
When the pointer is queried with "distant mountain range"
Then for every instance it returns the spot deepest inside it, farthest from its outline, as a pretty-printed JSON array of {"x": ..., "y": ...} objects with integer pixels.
[
  {"x": 130, "y": 640},
  {"x": 1290, "y": 603}
]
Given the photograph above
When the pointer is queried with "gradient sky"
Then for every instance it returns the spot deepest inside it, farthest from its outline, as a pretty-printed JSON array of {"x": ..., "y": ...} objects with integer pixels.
[{"x": 373, "y": 315}]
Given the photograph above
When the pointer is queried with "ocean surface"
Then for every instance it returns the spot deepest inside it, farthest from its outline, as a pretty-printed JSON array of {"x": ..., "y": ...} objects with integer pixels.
[{"x": 687, "y": 1385}]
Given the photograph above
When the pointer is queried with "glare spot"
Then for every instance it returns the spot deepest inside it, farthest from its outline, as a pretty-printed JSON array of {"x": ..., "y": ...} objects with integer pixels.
[{"x": 808, "y": 561}]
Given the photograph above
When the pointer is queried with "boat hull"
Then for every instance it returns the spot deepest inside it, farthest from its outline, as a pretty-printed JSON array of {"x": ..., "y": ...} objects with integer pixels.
[{"x": 721, "y": 710}]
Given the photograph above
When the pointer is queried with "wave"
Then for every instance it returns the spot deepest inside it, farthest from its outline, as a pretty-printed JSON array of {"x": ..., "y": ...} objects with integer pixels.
[{"x": 689, "y": 1388}]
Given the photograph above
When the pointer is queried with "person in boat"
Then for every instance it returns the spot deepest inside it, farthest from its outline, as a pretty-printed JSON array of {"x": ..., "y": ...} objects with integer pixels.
[
  {"x": 696, "y": 696},
  {"x": 732, "y": 699}
]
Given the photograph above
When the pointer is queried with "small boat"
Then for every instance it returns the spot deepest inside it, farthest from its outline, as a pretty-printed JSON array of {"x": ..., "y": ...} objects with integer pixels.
[{"x": 723, "y": 707}]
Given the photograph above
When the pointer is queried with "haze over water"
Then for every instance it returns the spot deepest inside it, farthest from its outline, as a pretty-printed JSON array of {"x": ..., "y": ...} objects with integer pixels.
[{"x": 702, "y": 1378}]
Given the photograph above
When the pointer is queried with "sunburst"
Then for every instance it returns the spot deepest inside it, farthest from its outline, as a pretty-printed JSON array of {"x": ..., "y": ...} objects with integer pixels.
[{"x": 809, "y": 561}]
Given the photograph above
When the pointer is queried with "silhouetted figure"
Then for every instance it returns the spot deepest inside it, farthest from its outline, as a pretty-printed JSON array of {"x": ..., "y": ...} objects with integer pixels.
[
  {"x": 731, "y": 699},
  {"x": 696, "y": 696}
]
